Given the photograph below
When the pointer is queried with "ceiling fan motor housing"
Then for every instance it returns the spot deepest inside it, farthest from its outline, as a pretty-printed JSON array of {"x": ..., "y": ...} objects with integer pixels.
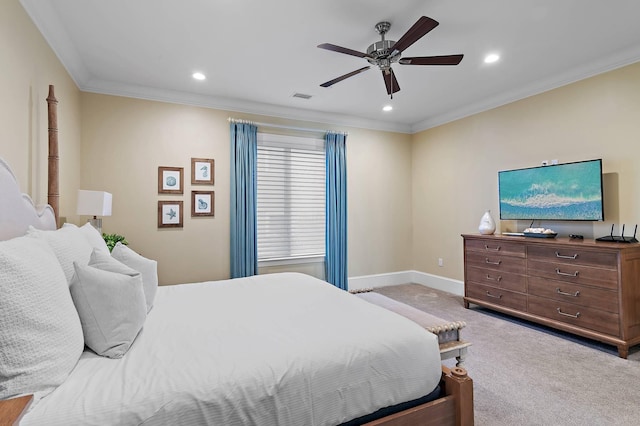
[{"x": 379, "y": 53}]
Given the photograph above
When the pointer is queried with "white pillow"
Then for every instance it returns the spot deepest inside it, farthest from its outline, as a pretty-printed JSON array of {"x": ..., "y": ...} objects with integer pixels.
[
  {"x": 40, "y": 332},
  {"x": 111, "y": 306},
  {"x": 106, "y": 262},
  {"x": 92, "y": 236},
  {"x": 68, "y": 244},
  {"x": 148, "y": 268}
]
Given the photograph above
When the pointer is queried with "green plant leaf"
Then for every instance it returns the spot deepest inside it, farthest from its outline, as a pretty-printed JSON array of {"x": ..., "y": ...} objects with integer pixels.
[{"x": 113, "y": 239}]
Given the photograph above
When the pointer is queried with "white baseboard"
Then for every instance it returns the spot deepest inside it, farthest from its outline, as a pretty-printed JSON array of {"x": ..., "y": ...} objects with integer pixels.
[{"x": 404, "y": 277}]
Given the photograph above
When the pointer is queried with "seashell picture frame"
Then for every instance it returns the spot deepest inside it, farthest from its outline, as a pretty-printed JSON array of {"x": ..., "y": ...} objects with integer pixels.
[
  {"x": 202, "y": 203},
  {"x": 170, "y": 180}
]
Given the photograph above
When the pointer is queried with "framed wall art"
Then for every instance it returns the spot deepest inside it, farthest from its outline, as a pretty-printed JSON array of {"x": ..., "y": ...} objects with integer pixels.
[
  {"x": 202, "y": 171},
  {"x": 170, "y": 180},
  {"x": 202, "y": 203},
  {"x": 170, "y": 214}
]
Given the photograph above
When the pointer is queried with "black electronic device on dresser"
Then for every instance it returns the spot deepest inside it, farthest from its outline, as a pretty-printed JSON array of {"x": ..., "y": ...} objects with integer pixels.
[{"x": 619, "y": 238}]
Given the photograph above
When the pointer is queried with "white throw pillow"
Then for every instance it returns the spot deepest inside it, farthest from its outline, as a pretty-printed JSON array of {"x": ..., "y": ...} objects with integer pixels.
[
  {"x": 111, "y": 306},
  {"x": 106, "y": 262},
  {"x": 92, "y": 236},
  {"x": 148, "y": 268},
  {"x": 68, "y": 244},
  {"x": 40, "y": 332}
]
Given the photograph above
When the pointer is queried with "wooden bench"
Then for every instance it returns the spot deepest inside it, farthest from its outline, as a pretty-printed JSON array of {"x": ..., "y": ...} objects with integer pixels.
[{"x": 448, "y": 332}]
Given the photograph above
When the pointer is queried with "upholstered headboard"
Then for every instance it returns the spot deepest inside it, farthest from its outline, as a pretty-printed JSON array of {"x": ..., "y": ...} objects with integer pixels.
[{"x": 17, "y": 210}]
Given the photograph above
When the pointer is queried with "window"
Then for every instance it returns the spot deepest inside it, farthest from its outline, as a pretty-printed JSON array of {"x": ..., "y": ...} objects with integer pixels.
[{"x": 291, "y": 197}]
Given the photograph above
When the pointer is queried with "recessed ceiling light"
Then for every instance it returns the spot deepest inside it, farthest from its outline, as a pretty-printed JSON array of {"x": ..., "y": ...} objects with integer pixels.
[
  {"x": 387, "y": 108},
  {"x": 491, "y": 58},
  {"x": 199, "y": 76}
]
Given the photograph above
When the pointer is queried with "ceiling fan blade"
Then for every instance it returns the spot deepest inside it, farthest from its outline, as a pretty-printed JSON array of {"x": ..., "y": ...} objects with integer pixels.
[
  {"x": 390, "y": 81},
  {"x": 417, "y": 31},
  {"x": 342, "y": 77},
  {"x": 432, "y": 60},
  {"x": 340, "y": 49}
]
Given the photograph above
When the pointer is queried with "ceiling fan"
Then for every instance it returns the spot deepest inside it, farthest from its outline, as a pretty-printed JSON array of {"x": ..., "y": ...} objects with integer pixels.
[{"x": 383, "y": 53}]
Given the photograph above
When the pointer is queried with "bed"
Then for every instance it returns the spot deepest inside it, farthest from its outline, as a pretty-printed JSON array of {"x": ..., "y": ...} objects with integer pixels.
[{"x": 277, "y": 349}]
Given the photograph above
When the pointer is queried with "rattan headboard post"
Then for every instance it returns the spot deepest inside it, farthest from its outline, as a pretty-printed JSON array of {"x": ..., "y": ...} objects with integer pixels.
[{"x": 53, "y": 186}]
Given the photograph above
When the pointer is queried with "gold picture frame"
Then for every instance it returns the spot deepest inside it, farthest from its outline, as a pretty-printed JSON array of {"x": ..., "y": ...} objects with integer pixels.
[
  {"x": 202, "y": 171},
  {"x": 170, "y": 180},
  {"x": 170, "y": 214}
]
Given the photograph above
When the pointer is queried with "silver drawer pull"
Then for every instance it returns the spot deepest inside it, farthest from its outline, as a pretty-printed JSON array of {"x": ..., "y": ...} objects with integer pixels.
[
  {"x": 495, "y": 297},
  {"x": 575, "y": 274},
  {"x": 488, "y": 262},
  {"x": 576, "y": 294},
  {"x": 486, "y": 247},
  {"x": 574, "y": 257},
  {"x": 568, "y": 315},
  {"x": 498, "y": 278}
]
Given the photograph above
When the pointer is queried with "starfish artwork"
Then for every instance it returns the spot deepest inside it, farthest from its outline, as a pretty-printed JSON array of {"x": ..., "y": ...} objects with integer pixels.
[{"x": 171, "y": 214}]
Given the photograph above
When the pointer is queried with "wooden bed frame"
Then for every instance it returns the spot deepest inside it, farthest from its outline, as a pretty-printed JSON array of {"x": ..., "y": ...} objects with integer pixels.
[{"x": 455, "y": 407}]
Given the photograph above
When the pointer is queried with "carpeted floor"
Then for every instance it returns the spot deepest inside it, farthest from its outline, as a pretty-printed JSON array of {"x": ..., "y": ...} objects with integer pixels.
[{"x": 526, "y": 374}]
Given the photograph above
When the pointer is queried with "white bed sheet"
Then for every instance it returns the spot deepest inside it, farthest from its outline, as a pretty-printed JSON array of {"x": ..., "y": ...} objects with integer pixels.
[{"x": 278, "y": 349}]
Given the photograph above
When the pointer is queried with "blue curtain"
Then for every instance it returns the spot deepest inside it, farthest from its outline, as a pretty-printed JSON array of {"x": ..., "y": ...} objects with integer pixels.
[
  {"x": 244, "y": 158},
  {"x": 336, "y": 211}
]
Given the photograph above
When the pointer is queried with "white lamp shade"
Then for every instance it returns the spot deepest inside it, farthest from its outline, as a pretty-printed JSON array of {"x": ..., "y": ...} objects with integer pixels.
[{"x": 94, "y": 203}]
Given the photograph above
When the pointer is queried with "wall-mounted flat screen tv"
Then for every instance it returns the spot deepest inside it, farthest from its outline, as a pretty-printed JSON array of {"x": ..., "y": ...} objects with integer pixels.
[{"x": 570, "y": 191}]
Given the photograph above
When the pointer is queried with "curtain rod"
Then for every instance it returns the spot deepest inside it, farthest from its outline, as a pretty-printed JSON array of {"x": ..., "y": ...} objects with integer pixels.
[{"x": 282, "y": 126}]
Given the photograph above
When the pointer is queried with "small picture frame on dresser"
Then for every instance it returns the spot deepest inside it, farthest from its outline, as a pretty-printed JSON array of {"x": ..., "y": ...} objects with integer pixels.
[{"x": 202, "y": 171}]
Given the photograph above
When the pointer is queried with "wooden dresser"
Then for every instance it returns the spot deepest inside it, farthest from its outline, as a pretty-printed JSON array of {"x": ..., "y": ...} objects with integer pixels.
[{"x": 584, "y": 287}]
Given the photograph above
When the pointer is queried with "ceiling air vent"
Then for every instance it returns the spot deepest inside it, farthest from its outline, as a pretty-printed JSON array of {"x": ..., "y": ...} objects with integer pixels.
[{"x": 301, "y": 96}]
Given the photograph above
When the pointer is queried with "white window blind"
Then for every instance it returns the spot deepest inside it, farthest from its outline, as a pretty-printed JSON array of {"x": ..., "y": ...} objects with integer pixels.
[{"x": 291, "y": 197}]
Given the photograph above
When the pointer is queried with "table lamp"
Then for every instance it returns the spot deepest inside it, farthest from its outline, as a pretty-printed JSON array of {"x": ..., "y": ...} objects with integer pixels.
[{"x": 94, "y": 203}]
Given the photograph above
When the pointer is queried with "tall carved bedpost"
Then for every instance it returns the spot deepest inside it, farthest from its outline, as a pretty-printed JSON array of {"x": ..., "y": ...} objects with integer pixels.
[{"x": 53, "y": 186}]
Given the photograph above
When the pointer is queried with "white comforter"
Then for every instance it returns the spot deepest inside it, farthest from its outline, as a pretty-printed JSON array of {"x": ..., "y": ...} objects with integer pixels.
[{"x": 280, "y": 349}]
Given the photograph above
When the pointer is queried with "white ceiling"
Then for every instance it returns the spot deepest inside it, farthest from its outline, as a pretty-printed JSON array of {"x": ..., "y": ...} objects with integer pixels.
[{"x": 257, "y": 54}]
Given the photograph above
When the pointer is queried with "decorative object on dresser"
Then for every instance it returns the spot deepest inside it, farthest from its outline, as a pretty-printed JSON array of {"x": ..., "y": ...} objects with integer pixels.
[
  {"x": 487, "y": 224},
  {"x": 202, "y": 171},
  {"x": 94, "y": 203},
  {"x": 583, "y": 287}
]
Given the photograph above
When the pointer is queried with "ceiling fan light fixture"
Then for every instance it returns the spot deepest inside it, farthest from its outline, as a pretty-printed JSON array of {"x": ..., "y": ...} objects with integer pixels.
[
  {"x": 491, "y": 58},
  {"x": 387, "y": 108},
  {"x": 384, "y": 53},
  {"x": 198, "y": 76}
]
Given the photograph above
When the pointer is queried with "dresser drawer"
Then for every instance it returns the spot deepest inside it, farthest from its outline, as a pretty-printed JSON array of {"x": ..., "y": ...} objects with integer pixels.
[
  {"x": 580, "y": 274},
  {"x": 496, "y": 247},
  {"x": 502, "y": 279},
  {"x": 496, "y": 296},
  {"x": 596, "y": 298},
  {"x": 496, "y": 262},
  {"x": 580, "y": 316},
  {"x": 571, "y": 255}
]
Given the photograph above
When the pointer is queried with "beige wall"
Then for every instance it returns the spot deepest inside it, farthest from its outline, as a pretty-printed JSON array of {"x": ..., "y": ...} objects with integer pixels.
[
  {"x": 455, "y": 166},
  {"x": 28, "y": 67},
  {"x": 125, "y": 140}
]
